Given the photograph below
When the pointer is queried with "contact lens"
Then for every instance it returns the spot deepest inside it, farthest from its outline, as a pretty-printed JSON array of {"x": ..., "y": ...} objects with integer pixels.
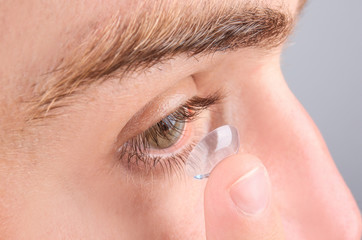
[{"x": 213, "y": 148}]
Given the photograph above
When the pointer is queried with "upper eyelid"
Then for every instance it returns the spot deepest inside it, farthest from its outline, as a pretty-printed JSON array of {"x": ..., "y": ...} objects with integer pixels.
[
  {"x": 196, "y": 104},
  {"x": 190, "y": 109},
  {"x": 138, "y": 125},
  {"x": 137, "y": 144}
]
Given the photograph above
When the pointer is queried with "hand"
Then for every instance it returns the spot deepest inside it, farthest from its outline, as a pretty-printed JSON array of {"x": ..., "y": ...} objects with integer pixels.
[{"x": 239, "y": 203}]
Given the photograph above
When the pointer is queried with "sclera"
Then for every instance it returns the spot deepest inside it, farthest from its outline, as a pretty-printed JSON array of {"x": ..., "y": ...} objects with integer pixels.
[{"x": 213, "y": 148}]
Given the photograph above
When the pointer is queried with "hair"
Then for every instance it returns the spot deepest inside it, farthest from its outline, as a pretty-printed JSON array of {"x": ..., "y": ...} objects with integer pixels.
[{"x": 157, "y": 33}]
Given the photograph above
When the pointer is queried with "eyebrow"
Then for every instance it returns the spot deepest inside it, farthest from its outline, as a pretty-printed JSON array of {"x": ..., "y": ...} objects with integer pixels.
[{"x": 157, "y": 34}]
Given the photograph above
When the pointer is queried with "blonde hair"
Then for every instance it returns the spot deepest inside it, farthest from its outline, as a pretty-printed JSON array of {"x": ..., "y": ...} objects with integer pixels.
[{"x": 157, "y": 33}]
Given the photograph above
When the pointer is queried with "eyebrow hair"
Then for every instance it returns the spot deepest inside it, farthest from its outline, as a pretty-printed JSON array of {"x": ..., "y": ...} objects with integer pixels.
[{"x": 156, "y": 34}]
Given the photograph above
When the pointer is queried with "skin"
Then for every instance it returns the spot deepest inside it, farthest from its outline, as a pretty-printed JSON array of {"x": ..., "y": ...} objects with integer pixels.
[{"x": 60, "y": 179}]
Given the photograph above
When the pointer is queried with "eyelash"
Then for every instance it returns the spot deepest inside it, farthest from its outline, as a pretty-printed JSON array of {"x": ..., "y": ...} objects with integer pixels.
[{"x": 136, "y": 150}]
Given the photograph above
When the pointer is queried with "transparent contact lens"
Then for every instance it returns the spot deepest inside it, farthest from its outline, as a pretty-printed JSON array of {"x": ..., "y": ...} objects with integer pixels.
[{"x": 213, "y": 148}]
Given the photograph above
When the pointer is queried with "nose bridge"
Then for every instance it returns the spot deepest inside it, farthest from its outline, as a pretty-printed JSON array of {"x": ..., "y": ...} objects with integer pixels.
[{"x": 308, "y": 187}]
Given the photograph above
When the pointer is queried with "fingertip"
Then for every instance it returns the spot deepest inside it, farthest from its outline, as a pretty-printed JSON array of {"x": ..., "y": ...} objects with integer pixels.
[
  {"x": 224, "y": 179},
  {"x": 238, "y": 200}
]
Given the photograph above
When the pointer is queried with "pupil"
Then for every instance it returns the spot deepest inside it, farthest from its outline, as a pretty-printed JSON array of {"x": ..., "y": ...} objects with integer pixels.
[{"x": 164, "y": 126}]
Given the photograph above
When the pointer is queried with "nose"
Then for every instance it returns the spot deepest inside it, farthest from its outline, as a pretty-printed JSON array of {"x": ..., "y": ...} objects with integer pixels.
[{"x": 314, "y": 201}]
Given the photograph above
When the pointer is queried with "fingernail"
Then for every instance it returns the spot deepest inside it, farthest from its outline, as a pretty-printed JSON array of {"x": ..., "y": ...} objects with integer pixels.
[{"x": 250, "y": 193}]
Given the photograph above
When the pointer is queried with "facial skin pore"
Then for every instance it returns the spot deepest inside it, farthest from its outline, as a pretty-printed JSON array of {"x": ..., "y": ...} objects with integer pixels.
[{"x": 67, "y": 105}]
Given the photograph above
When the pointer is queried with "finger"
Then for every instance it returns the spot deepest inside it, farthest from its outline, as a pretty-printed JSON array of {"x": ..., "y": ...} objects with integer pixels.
[{"x": 238, "y": 202}]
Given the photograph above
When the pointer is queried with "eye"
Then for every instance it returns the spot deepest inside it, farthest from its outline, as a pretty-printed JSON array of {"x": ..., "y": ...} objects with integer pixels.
[
  {"x": 158, "y": 148},
  {"x": 165, "y": 133}
]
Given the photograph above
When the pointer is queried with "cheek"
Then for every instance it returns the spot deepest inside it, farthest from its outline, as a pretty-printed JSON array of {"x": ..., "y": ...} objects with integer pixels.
[
  {"x": 108, "y": 205},
  {"x": 159, "y": 209}
]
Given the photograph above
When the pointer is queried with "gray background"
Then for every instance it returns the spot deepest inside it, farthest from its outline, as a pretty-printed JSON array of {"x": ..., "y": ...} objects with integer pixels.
[{"x": 323, "y": 67}]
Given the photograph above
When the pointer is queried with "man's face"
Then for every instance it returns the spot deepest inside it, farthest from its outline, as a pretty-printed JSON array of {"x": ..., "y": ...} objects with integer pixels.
[{"x": 84, "y": 84}]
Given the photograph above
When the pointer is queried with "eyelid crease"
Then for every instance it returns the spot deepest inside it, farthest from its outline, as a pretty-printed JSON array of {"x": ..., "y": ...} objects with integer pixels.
[{"x": 135, "y": 151}]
